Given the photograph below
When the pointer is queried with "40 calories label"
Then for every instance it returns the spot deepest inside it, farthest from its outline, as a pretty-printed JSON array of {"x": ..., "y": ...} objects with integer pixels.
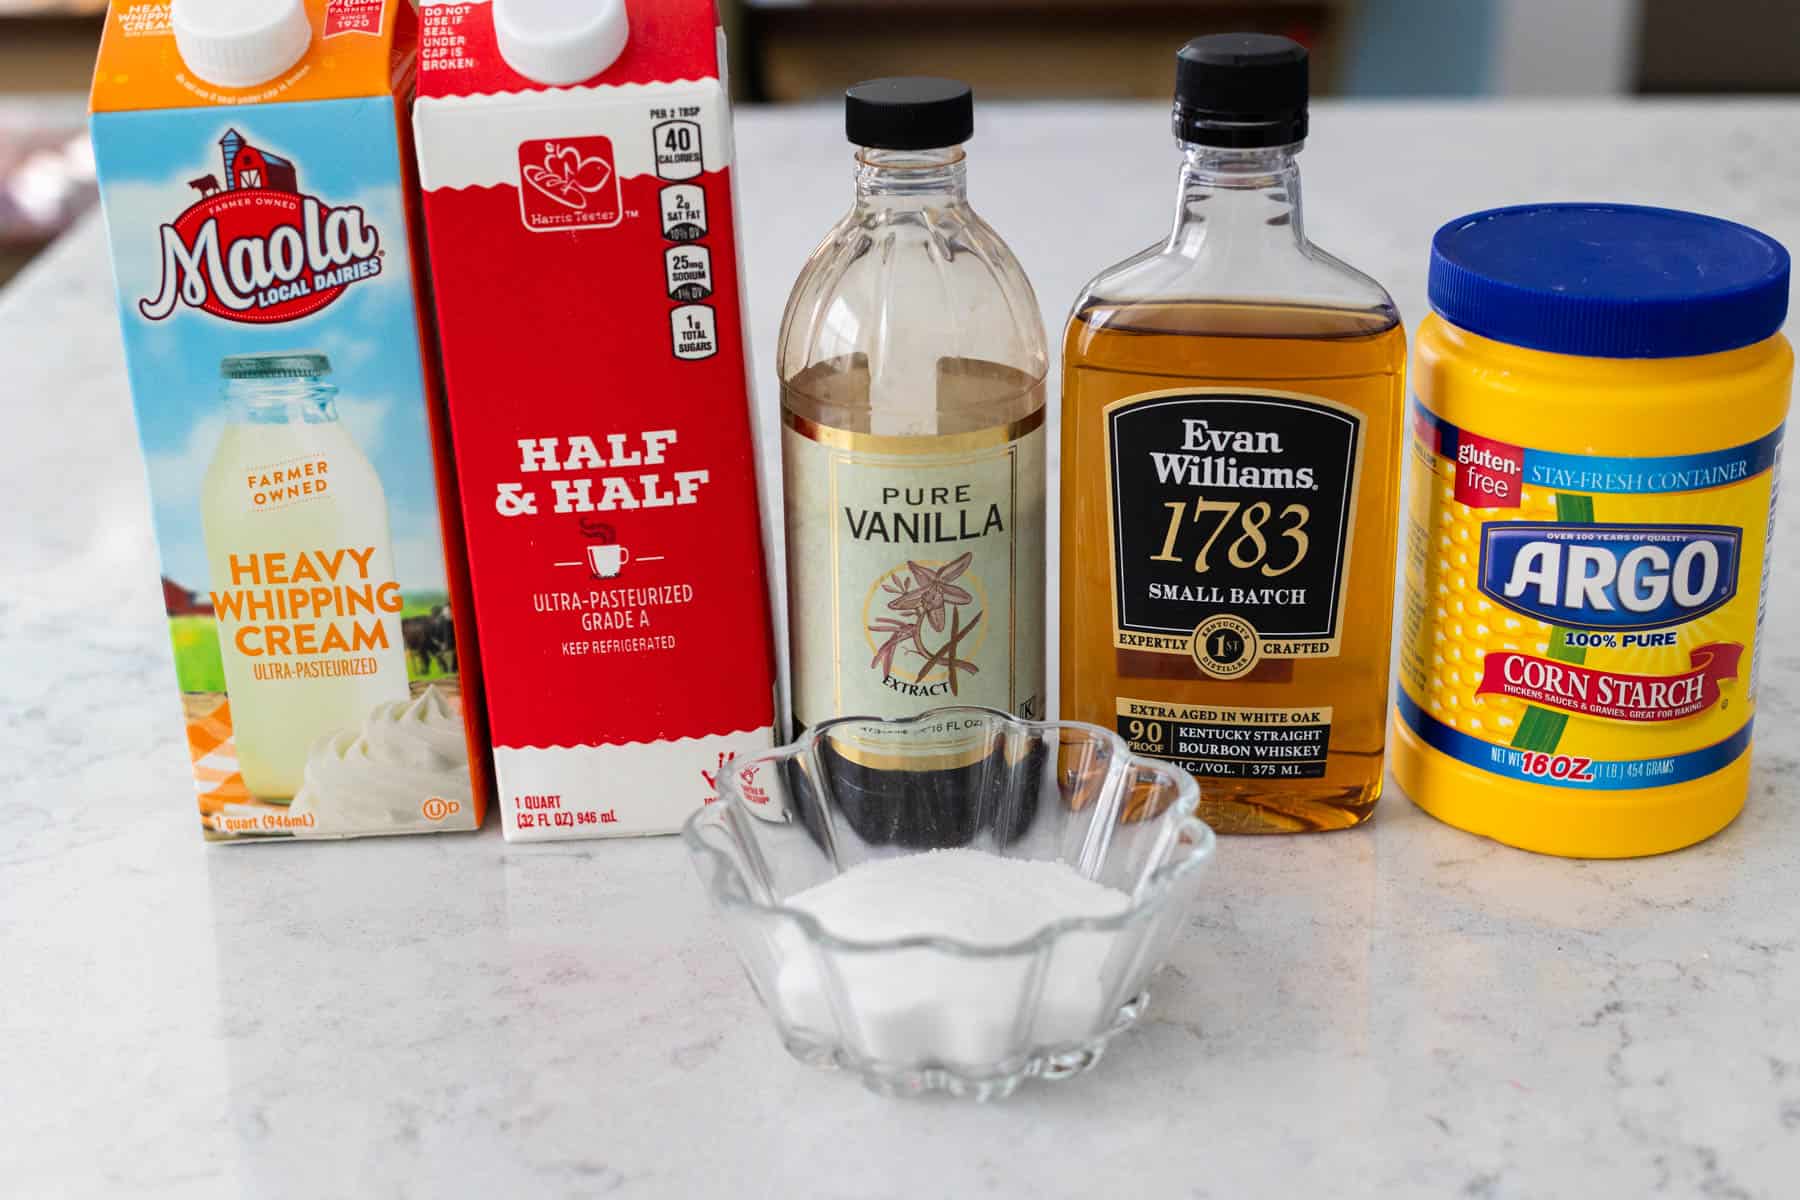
[
  {"x": 1229, "y": 742},
  {"x": 1584, "y": 621}
]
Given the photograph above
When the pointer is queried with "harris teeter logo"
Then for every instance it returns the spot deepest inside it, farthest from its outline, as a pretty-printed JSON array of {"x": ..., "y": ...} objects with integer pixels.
[{"x": 256, "y": 248}]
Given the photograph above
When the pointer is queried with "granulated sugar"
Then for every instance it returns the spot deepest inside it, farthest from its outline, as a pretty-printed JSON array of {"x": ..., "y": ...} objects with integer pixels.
[
  {"x": 968, "y": 895},
  {"x": 932, "y": 1005}
]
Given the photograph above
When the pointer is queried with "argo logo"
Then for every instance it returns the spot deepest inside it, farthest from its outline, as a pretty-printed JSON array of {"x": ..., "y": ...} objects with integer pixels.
[
  {"x": 254, "y": 248},
  {"x": 1590, "y": 576}
]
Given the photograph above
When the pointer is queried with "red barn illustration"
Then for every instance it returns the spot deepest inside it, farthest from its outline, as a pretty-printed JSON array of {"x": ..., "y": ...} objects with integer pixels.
[
  {"x": 247, "y": 166},
  {"x": 183, "y": 602}
]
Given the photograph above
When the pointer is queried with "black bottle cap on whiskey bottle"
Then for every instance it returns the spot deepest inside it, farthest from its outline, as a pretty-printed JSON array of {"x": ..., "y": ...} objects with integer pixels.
[
  {"x": 1241, "y": 91},
  {"x": 911, "y": 112}
]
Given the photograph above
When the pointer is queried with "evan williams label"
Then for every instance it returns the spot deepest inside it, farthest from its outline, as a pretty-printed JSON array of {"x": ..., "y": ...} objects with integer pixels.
[
  {"x": 255, "y": 248},
  {"x": 915, "y": 567},
  {"x": 1231, "y": 524}
]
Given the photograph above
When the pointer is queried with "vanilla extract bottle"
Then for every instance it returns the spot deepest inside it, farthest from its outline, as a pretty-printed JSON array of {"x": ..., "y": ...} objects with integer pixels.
[
  {"x": 1231, "y": 417},
  {"x": 912, "y": 362}
]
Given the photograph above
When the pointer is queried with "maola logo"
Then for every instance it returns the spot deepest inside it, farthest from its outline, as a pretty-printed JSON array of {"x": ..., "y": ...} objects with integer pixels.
[
  {"x": 254, "y": 248},
  {"x": 1583, "y": 576}
]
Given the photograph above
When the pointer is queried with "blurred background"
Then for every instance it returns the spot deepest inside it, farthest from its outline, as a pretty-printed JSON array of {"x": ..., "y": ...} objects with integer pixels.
[{"x": 801, "y": 51}]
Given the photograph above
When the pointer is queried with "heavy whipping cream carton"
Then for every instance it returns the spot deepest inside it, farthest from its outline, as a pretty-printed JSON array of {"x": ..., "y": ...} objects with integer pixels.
[
  {"x": 576, "y": 168},
  {"x": 254, "y": 173}
]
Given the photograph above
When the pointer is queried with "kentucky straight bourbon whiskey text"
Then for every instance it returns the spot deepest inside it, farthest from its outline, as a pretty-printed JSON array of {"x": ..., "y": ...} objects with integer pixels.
[{"x": 1230, "y": 432}]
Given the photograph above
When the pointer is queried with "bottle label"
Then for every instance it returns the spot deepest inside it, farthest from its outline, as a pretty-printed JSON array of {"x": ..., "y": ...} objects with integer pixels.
[
  {"x": 1229, "y": 741},
  {"x": 1232, "y": 513},
  {"x": 916, "y": 569},
  {"x": 1584, "y": 621}
]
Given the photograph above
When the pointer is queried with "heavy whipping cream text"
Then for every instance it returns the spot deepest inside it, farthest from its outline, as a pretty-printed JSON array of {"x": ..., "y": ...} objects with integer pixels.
[{"x": 309, "y": 602}]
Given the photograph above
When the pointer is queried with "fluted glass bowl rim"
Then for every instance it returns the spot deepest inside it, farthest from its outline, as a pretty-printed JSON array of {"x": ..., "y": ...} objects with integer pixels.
[{"x": 729, "y": 890}]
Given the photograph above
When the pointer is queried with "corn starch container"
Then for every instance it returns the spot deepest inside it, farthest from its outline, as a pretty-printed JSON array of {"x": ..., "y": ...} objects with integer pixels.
[{"x": 1594, "y": 464}]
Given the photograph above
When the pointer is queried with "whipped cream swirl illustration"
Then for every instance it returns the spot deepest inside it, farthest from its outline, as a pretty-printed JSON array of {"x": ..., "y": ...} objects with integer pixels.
[{"x": 377, "y": 779}]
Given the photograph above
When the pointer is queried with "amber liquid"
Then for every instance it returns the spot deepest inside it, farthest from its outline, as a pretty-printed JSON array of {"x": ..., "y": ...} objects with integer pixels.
[{"x": 1356, "y": 358}]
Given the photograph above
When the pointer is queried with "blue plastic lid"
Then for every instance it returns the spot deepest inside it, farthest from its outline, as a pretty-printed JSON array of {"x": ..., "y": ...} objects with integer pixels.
[{"x": 1609, "y": 280}]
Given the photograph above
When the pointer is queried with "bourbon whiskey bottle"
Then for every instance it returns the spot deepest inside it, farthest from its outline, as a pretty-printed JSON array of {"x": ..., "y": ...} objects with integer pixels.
[{"x": 1231, "y": 419}]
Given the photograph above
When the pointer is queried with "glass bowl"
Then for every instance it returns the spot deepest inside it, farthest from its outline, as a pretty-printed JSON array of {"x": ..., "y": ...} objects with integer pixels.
[{"x": 918, "y": 1013}]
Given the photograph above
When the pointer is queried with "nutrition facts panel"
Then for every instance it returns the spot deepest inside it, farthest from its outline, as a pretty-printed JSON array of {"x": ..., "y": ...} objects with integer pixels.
[
  {"x": 689, "y": 271},
  {"x": 687, "y": 265},
  {"x": 683, "y": 212}
]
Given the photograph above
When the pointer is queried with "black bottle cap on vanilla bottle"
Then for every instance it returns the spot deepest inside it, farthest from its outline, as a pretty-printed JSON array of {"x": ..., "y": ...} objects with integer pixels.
[
  {"x": 909, "y": 112},
  {"x": 1241, "y": 91}
]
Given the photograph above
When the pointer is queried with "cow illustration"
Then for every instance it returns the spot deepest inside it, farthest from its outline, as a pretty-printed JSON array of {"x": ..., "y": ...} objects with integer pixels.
[
  {"x": 206, "y": 185},
  {"x": 431, "y": 638}
]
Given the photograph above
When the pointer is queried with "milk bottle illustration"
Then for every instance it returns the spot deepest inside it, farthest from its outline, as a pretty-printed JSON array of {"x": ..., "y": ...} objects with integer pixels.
[{"x": 295, "y": 523}]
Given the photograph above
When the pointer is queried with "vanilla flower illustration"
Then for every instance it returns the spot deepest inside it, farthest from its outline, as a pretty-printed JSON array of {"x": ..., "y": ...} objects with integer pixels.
[
  {"x": 898, "y": 634},
  {"x": 922, "y": 595},
  {"x": 932, "y": 589}
]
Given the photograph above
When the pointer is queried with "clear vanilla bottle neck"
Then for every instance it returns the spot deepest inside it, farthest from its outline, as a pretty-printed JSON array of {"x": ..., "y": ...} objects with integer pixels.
[
  {"x": 1244, "y": 198},
  {"x": 888, "y": 179}
]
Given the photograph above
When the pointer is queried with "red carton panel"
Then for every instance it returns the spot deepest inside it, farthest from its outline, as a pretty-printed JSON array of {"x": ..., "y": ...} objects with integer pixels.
[{"x": 583, "y": 254}]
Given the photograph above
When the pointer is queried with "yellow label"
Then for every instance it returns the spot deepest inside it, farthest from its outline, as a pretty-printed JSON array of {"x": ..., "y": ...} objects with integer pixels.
[{"x": 1581, "y": 620}]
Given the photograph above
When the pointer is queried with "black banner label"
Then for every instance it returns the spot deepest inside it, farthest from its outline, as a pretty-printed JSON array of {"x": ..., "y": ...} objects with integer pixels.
[
  {"x": 1231, "y": 514},
  {"x": 1229, "y": 742}
]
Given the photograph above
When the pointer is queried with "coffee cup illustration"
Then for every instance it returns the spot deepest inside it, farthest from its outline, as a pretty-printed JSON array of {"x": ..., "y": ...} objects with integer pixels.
[{"x": 606, "y": 561}]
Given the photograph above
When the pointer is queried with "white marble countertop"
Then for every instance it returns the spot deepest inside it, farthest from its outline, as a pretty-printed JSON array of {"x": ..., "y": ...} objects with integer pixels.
[{"x": 1404, "y": 1010}]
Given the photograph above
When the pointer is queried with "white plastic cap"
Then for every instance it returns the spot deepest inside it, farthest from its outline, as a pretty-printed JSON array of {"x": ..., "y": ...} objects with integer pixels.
[
  {"x": 559, "y": 43},
  {"x": 240, "y": 43}
]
